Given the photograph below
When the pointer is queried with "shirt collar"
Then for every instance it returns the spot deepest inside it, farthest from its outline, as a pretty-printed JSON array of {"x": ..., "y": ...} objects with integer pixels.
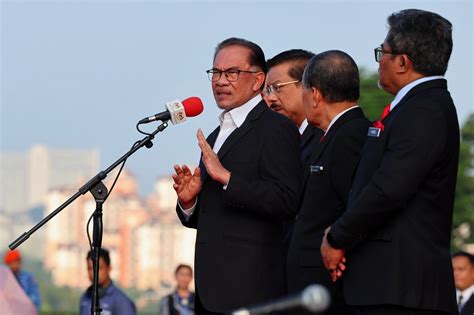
[
  {"x": 303, "y": 126},
  {"x": 466, "y": 294},
  {"x": 110, "y": 289},
  {"x": 404, "y": 91},
  {"x": 337, "y": 117},
  {"x": 239, "y": 114}
]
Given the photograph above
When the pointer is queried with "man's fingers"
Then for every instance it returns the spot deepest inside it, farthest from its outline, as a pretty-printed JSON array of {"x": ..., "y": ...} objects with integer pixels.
[
  {"x": 335, "y": 273},
  {"x": 186, "y": 170},
  {"x": 177, "y": 169},
  {"x": 175, "y": 179},
  {"x": 203, "y": 144},
  {"x": 200, "y": 135},
  {"x": 341, "y": 266},
  {"x": 197, "y": 172}
]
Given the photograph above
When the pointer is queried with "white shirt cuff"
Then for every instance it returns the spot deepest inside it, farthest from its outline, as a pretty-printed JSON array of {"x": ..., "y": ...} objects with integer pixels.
[{"x": 187, "y": 212}]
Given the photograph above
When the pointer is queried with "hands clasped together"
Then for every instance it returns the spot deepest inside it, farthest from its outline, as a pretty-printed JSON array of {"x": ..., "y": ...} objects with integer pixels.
[{"x": 333, "y": 258}]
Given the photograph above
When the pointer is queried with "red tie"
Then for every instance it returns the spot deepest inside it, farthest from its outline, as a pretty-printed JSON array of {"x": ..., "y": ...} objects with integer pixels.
[
  {"x": 378, "y": 123},
  {"x": 385, "y": 112},
  {"x": 321, "y": 139}
]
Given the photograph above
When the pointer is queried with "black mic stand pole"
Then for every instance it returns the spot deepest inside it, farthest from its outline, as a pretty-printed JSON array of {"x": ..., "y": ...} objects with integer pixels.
[
  {"x": 97, "y": 188},
  {"x": 99, "y": 192}
]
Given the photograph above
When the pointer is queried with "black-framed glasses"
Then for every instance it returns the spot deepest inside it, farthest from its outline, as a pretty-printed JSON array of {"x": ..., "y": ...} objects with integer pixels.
[
  {"x": 275, "y": 87},
  {"x": 231, "y": 75},
  {"x": 379, "y": 52}
]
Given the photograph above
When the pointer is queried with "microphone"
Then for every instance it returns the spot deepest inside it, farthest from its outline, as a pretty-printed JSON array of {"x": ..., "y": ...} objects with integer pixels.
[
  {"x": 177, "y": 111},
  {"x": 314, "y": 298}
]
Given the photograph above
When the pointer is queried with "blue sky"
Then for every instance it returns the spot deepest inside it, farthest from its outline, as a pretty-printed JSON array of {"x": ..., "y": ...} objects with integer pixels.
[{"x": 80, "y": 74}]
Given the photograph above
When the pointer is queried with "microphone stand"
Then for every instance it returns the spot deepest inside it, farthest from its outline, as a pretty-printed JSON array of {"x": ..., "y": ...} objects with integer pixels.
[{"x": 97, "y": 188}]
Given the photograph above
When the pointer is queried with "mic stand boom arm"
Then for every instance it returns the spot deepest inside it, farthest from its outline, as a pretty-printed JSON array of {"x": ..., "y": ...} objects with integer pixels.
[{"x": 99, "y": 191}]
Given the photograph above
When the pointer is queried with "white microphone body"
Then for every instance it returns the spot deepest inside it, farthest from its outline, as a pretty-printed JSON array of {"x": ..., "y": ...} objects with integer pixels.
[
  {"x": 174, "y": 112},
  {"x": 177, "y": 112},
  {"x": 314, "y": 298}
]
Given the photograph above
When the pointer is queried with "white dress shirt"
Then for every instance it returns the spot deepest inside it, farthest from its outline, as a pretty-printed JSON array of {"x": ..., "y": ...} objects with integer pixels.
[
  {"x": 466, "y": 295},
  {"x": 337, "y": 117},
  {"x": 303, "y": 126},
  {"x": 401, "y": 94},
  {"x": 233, "y": 119}
]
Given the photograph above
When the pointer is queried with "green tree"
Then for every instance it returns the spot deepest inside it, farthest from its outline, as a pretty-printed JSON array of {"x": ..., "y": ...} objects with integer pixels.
[
  {"x": 54, "y": 299},
  {"x": 463, "y": 219}
]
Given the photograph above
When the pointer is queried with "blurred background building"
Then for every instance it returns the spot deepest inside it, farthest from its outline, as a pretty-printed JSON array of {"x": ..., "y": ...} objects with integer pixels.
[{"x": 143, "y": 234}]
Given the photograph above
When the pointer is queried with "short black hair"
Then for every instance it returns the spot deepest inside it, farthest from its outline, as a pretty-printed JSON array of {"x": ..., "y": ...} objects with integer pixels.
[
  {"x": 470, "y": 257},
  {"x": 256, "y": 55},
  {"x": 424, "y": 36},
  {"x": 104, "y": 253},
  {"x": 183, "y": 266},
  {"x": 335, "y": 74},
  {"x": 298, "y": 58}
]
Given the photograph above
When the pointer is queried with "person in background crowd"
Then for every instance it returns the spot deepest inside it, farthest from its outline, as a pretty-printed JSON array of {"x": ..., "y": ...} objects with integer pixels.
[
  {"x": 181, "y": 301},
  {"x": 113, "y": 301},
  {"x": 27, "y": 280},
  {"x": 463, "y": 268}
]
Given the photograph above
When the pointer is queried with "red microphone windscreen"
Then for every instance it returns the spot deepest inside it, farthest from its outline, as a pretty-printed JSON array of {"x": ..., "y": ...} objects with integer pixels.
[{"x": 192, "y": 106}]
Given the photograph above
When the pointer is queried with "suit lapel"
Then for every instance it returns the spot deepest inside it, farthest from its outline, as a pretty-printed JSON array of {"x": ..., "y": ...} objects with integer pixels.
[
  {"x": 306, "y": 136},
  {"x": 353, "y": 113},
  {"x": 437, "y": 83},
  {"x": 242, "y": 130},
  {"x": 468, "y": 307}
]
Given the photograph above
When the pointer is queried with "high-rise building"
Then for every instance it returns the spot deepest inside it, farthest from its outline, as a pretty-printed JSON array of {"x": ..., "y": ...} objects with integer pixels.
[
  {"x": 145, "y": 245},
  {"x": 26, "y": 177},
  {"x": 161, "y": 246},
  {"x": 13, "y": 182}
]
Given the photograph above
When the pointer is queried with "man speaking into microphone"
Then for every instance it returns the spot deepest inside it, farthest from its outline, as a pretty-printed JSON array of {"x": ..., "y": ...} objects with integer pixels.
[{"x": 245, "y": 188}]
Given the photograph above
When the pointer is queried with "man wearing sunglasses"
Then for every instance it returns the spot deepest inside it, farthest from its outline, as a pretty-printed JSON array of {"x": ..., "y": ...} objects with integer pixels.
[
  {"x": 283, "y": 94},
  {"x": 245, "y": 189},
  {"x": 396, "y": 230}
]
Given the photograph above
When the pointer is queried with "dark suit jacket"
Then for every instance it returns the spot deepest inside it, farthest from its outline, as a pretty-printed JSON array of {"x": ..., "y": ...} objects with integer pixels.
[
  {"x": 309, "y": 141},
  {"x": 239, "y": 246},
  {"x": 324, "y": 199},
  {"x": 468, "y": 308},
  {"x": 398, "y": 222}
]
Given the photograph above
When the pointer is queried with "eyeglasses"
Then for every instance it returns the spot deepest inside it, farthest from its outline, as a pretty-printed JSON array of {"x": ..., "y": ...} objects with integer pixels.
[
  {"x": 231, "y": 75},
  {"x": 379, "y": 52},
  {"x": 275, "y": 87}
]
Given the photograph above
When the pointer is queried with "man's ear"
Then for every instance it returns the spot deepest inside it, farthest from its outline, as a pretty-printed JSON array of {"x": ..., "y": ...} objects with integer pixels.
[
  {"x": 317, "y": 96},
  {"x": 259, "y": 81},
  {"x": 404, "y": 64}
]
